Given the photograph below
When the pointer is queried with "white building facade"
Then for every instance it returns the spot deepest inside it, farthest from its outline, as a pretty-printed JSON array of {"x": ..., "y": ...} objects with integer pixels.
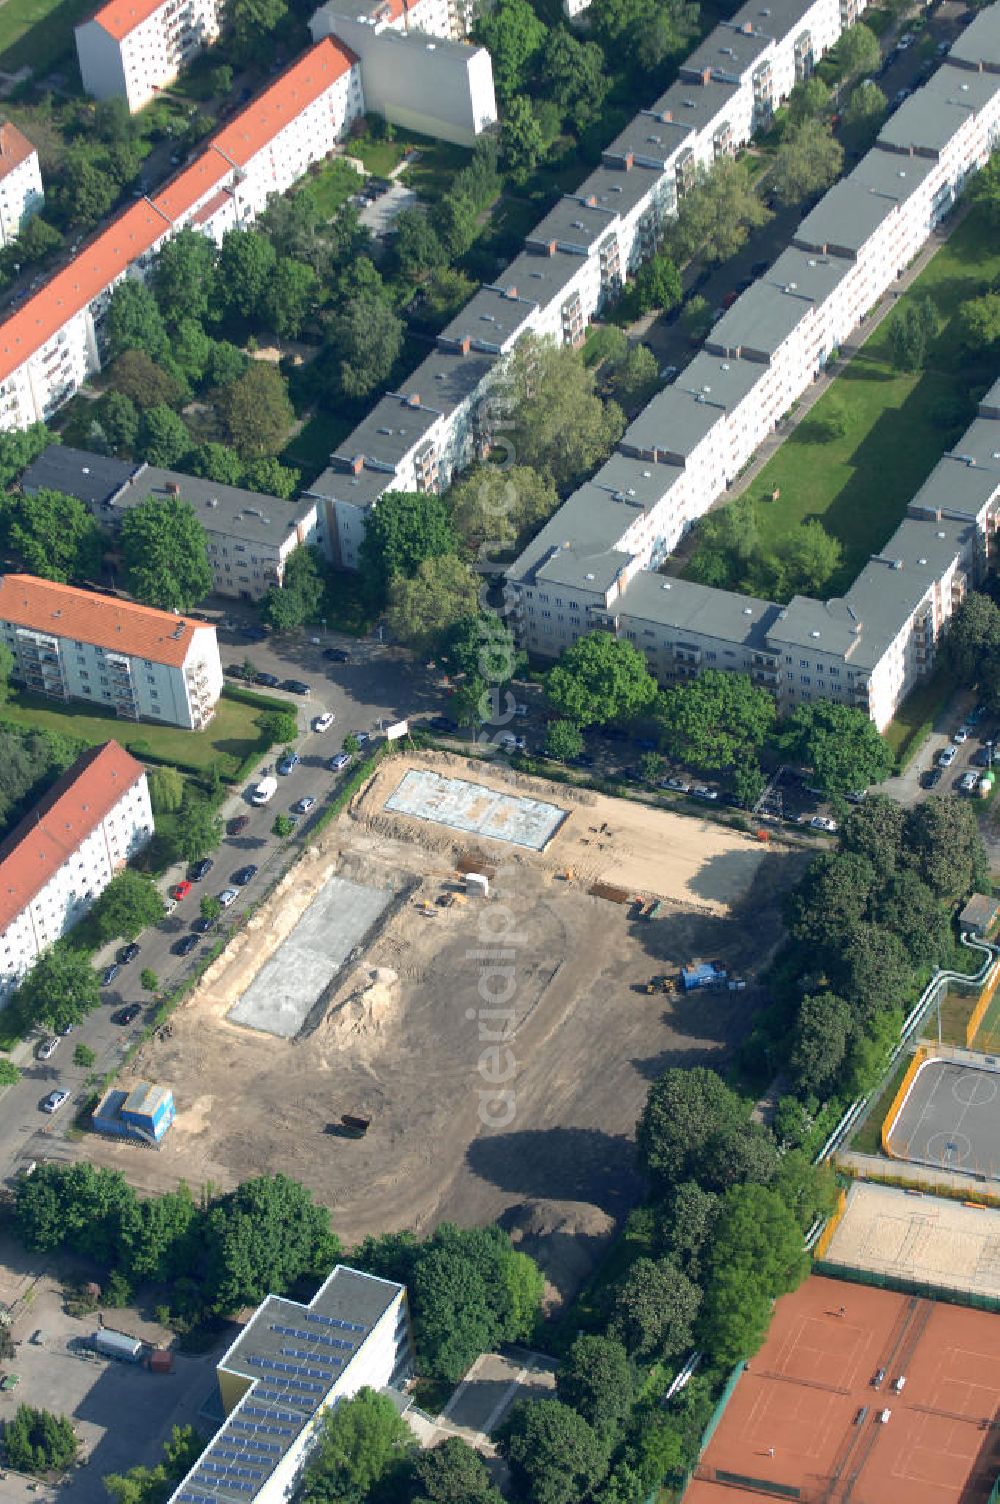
[
  {"x": 59, "y": 860},
  {"x": 144, "y": 664},
  {"x": 21, "y": 192},
  {"x": 130, "y": 49}
]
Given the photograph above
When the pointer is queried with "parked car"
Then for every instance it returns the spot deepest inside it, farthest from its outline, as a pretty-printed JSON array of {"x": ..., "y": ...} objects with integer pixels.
[
  {"x": 238, "y": 826},
  {"x": 304, "y": 805},
  {"x": 325, "y": 721},
  {"x": 289, "y": 762},
  {"x": 337, "y": 655},
  {"x": 244, "y": 875},
  {"x": 128, "y": 1014},
  {"x": 253, "y": 632},
  {"x": 245, "y": 672},
  {"x": 55, "y": 1100},
  {"x": 823, "y": 822},
  {"x": 129, "y": 952},
  {"x": 361, "y": 737},
  {"x": 228, "y": 896},
  {"x": 511, "y": 743},
  {"x": 442, "y": 723},
  {"x": 961, "y": 736},
  {"x": 186, "y": 944},
  {"x": 679, "y": 785},
  {"x": 967, "y": 782},
  {"x": 269, "y": 681},
  {"x": 203, "y": 926},
  {"x": 109, "y": 973},
  {"x": 200, "y": 870},
  {"x": 180, "y": 890},
  {"x": 47, "y": 1048},
  {"x": 264, "y": 791},
  {"x": 702, "y": 791},
  {"x": 295, "y": 687},
  {"x": 931, "y": 778},
  {"x": 947, "y": 756},
  {"x": 856, "y": 796},
  {"x": 340, "y": 762}
]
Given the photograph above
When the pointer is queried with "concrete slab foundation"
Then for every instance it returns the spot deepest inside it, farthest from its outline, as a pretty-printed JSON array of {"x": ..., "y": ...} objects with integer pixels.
[
  {"x": 475, "y": 808},
  {"x": 287, "y": 988}
]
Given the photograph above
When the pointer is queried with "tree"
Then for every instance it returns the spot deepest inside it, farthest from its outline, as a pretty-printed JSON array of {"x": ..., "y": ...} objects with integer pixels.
[
  {"x": 716, "y": 214},
  {"x": 366, "y": 337},
  {"x": 571, "y": 431},
  {"x": 76, "y": 1206},
  {"x": 400, "y": 533},
  {"x": 36, "y": 1441},
  {"x": 756, "y": 1256},
  {"x": 858, "y": 51},
  {"x": 133, "y": 321},
  {"x": 19, "y": 449},
  {"x": 210, "y": 908},
  {"x": 715, "y": 720},
  {"x": 514, "y": 37},
  {"x": 129, "y": 904},
  {"x": 160, "y": 1237},
  {"x": 521, "y": 138},
  {"x": 61, "y": 988},
  {"x": 944, "y": 846},
  {"x": 865, "y": 104},
  {"x": 148, "y": 980},
  {"x": 416, "y": 245},
  {"x": 483, "y": 645},
  {"x": 142, "y": 381},
  {"x": 9, "y": 1073},
  {"x": 738, "y": 1154},
  {"x": 256, "y": 411},
  {"x": 84, "y": 1056},
  {"x": 184, "y": 277},
  {"x": 246, "y": 267},
  {"x": 261, "y": 1238},
  {"x": 688, "y": 1225},
  {"x": 807, "y": 100},
  {"x": 912, "y": 911},
  {"x": 364, "y": 1442},
  {"x": 806, "y": 559},
  {"x": 974, "y": 637},
  {"x": 491, "y": 508},
  {"x": 165, "y": 553},
  {"x": 554, "y": 1456},
  {"x": 227, "y": 364},
  {"x": 914, "y": 325},
  {"x": 54, "y": 535},
  {"x": 872, "y": 970},
  {"x": 151, "y": 1485},
  {"x": 684, "y": 1111},
  {"x": 271, "y": 478},
  {"x": 658, "y": 285},
  {"x": 636, "y": 378},
  {"x": 250, "y": 26},
  {"x": 875, "y": 830},
  {"x": 648, "y": 31},
  {"x": 166, "y": 790},
  {"x": 217, "y": 462},
  {"x": 291, "y": 294},
  {"x": 278, "y": 727},
  {"x": 282, "y": 826},
  {"x": 600, "y": 678},
  {"x": 595, "y": 1378},
  {"x": 833, "y": 897},
  {"x": 445, "y": 292},
  {"x": 808, "y": 160},
  {"x": 119, "y": 419},
  {"x": 86, "y": 190},
  {"x": 452, "y": 1473},
  {"x": 443, "y": 592},
  {"x": 36, "y": 241},
  {"x": 301, "y": 594},
  {"x": 655, "y": 1309},
  {"x": 163, "y": 436},
  {"x": 191, "y": 351},
  {"x": 842, "y": 746},
  {"x": 199, "y": 829},
  {"x": 574, "y": 77},
  {"x": 563, "y": 740}
]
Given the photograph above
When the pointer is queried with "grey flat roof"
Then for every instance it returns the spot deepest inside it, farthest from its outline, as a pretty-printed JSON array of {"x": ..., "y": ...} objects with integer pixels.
[
  {"x": 823, "y": 626},
  {"x": 585, "y": 531},
  {"x": 848, "y": 215},
  {"x": 765, "y": 315},
  {"x": 295, "y": 1371},
  {"x": 932, "y": 116},
  {"x": 979, "y": 44},
  {"x": 990, "y": 401},
  {"x": 654, "y": 138},
  {"x": 695, "y": 104},
  {"x": 639, "y": 480},
  {"x": 731, "y": 54},
  {"x": 677, "y": 420},
  {"x": 619, "y": 189},
  {"x": 690, "y": 607},
  {"x": 91, "y": 478},
  {"x": 537, "y": 277},
  {"x": 883, "y": 596},
  {"x": 575, "y": 223},
  {"x": 491, "y": 320},
  {"x": 956, "y": 488},
  {"x": 776, "y": 18}
]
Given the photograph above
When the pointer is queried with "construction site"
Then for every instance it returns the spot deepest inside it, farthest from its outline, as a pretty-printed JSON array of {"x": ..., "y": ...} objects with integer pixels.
[{"x": 445, "y": 1008}]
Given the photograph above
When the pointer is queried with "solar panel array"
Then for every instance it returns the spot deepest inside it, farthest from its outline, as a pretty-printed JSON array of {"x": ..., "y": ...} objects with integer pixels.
[
  {"x": 324, "y": 1337},
  {"x": 345, "y": 1326}
]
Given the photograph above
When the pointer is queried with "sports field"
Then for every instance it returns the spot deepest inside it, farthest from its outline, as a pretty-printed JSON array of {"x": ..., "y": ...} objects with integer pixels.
[
  {"x": 950, "y": 1118},
  {"x": 920, "y": 1239},
  {"x": 808, "y": 1419}
]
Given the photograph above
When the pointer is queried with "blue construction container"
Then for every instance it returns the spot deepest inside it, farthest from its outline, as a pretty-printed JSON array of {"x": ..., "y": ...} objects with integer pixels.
[
  {"x": 145, "y": 1112},
  {"x": 703, "y": 975}
]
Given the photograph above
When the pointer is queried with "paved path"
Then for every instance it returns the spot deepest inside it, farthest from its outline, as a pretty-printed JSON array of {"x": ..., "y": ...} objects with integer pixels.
[{"x": 873, "y": 1167}]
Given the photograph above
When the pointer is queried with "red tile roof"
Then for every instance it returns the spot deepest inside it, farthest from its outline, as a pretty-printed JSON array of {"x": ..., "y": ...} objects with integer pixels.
[
  {"x": 119, "y": 17},
  {"x": 62, "y": 610},
  {"x": 144, "y": 224},
  {"x": 15, "y": 148},
  {"x": 63, "y": 818}
]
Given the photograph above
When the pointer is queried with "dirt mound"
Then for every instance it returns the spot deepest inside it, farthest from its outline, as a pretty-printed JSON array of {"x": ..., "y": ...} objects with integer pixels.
[
  {"x": 565, "y": 1238},
  {"x": 368, "y": 1009}
]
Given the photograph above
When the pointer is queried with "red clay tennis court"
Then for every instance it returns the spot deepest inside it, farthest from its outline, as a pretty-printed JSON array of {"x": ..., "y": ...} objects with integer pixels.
[{"x": 794, "y": 1427}]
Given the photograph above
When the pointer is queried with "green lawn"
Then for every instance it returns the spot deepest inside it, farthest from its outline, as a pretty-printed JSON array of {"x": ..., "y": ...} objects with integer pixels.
[
  {"x": 38, "y": 33},
  {"x": 333, "y": 185},
  {"x": 379, "y": 157},
  {"x": 232, "y": 736},
  {"x": 899, "y": 425},
  {"x": 917, "y": 714},
  {"x": 312, "y": 446}
]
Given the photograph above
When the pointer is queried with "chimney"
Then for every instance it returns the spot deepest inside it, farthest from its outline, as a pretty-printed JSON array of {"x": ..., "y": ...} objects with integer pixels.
[
  {"x": 511, "y": 292},
  {"x": 357, "y": 464},
  {"x": 413, "y": 400},
  {"x": 172, "y": 488},
  {"x": 666, "y": 116},
  {"x": 591, "y": 202}
]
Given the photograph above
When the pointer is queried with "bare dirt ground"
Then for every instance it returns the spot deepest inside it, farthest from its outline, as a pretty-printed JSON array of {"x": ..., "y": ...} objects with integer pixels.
[{"x": 419, "y": 1031}]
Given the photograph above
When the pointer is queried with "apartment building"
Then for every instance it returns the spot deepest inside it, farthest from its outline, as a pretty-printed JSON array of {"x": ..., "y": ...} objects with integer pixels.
[
  {"x": 581, "y": 252},
  {"x": 144, "y": 664},
  {"x": 289, "y": 1365},
  {"x": 590, "y": 567},
  {"x": 434, "y": 18},
  {"x": 250, "y": 537},
  {"x": 130, "y": 49},
  {"x": 51, "y": 344},
  {"x": 21, "y": 192},
  {"x": 58, "y": 861}
]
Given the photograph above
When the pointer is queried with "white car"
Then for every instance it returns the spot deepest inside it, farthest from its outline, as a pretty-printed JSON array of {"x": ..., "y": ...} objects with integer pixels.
[
  {"x": 822, "y": 822},
  {"x": 47, "y": 1048},
  {"x": 265, "y": 791},
  {"x": 702, "y": 791},
  {"x": 946, "y": 756},
  {"x": 961, "y": 736},
  {"x": 325, "y": 721},
  {"x": 228, "y": 896},
  {"x": 967, "y": 782},
  {"x": 511, "y": 743},
  {"x": 55, "y": 1100},
  {"x": 341, "y": 761}
]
